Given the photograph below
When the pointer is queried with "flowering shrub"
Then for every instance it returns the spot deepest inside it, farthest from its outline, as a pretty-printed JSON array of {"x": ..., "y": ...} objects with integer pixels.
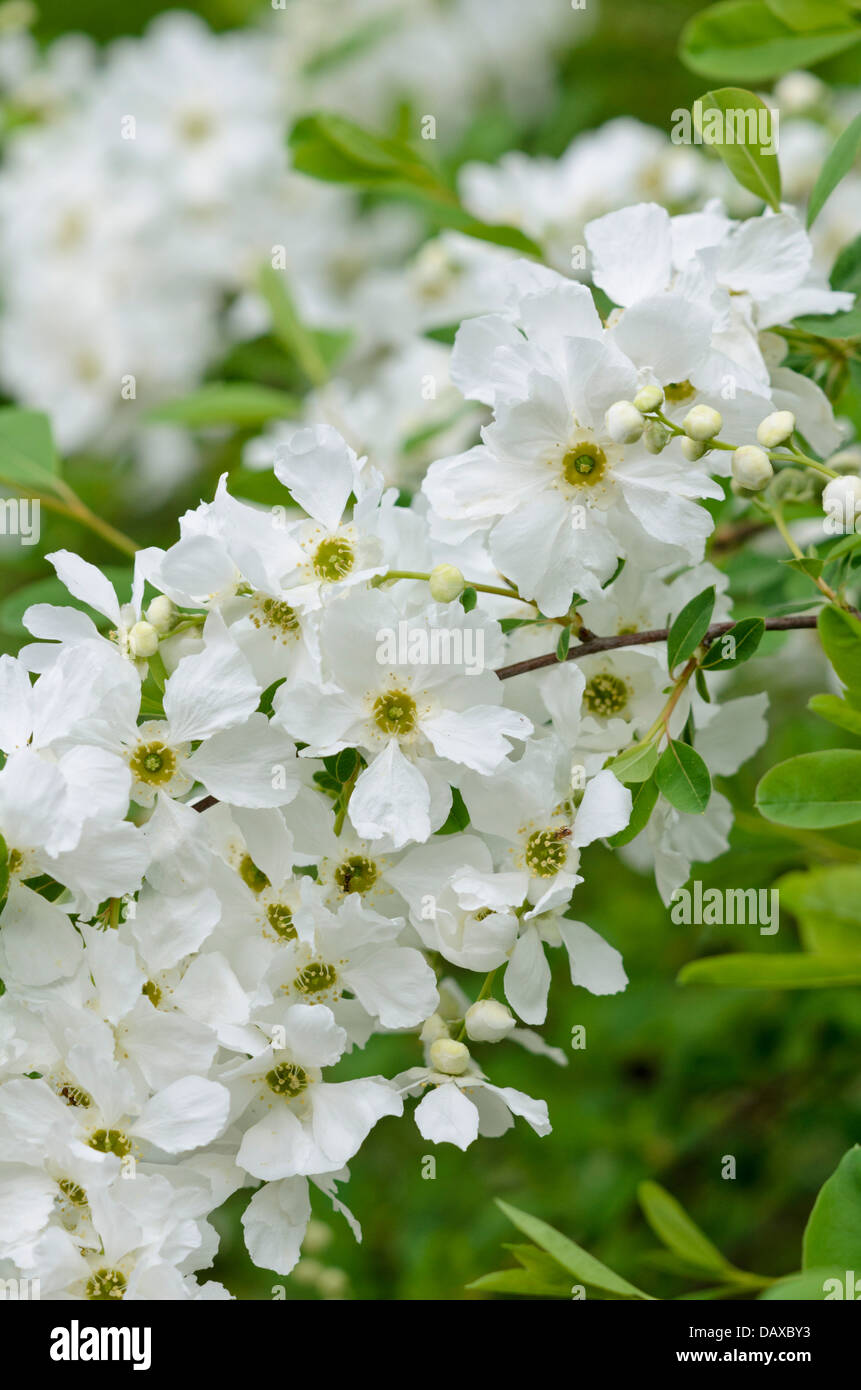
[{"x": 333, "y": 766}]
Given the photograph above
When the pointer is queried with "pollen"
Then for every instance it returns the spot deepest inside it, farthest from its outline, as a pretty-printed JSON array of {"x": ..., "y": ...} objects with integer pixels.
[
  {"x": 316, "y": 977},
  {"x": 678, "y": 391},
  {"x": 546, "y": 852},
  {"x": 250, "y": 874},
  {"x": 153, "y": 763},
  {"x": 333, "y": 559},
  {"x": 356, "y": 874},
  {"x": 280, "y": 918},
  {"x": 106, "y": 1284},
  {"x": 584, "y": 465},
  {"x": 287, "y": 1080},
  {"x": 605, "y": 695},
  {"x": 110, "y": 1141},
  {"x": 395, "y": 713},
  {"x": 277, "y": 615}
]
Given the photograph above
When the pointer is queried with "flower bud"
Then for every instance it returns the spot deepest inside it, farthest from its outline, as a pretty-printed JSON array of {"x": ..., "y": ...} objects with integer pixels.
[
  {"x": 844, "y": 493},
  {"x": 623, "y": 422},
  {"x": 160, "y": 613},
  {"x": 433, "y": 1028},
  {"x": 655, "y": 436},
  {"x": 702, "y": 422},
  {"x": 692, "y": 449},
  {"x": 751, "y": 467},
  {"x": 446, "y": 583},
  {"x": 489, "y": 1021},
  {"x": 143, "y": 640},
  {"x": 775, "y": 428},
  {"x": 648, "y": 398},
  {"x": 449, "y": 1056}
]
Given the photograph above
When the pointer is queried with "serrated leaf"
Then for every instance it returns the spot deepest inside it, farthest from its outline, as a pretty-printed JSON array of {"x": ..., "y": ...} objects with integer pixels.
[
  {"x": 672, "y": 1225},
  {"x": 683, "y": 778},
  {"x": 690, "y": 627},
  {"x": 754, "y": 971},
  {"x": 577, "y": 1261},
  {"x": 838, "y": 164},
  {"x": 746, "y": 636},
  {"x": 753, "y": 165},
  {"x": 813, "y": 791}
]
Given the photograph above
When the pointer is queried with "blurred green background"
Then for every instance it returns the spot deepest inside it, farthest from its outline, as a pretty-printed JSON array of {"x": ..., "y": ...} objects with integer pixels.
[{"x": 672, "y": 1079}]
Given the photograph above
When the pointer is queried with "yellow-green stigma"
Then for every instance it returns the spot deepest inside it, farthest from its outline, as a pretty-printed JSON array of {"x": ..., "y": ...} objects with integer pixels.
[
  {"x": 395, "y": 713},
  {"x": 584, "y": 465},
  {"x": 356, "y": 874},
  {"x": 272, "y": 612},
  {"x": 678, "y": 391},
  {"x": 316, "y": 977},
  {"x": 75, "y": 1095},
  {"x": 152, "y": 992},
  {"x": 546, "y": 852},
  {"x": 14, "y": 860},
  {"x": 605, "y": 695},
  {"x": 110, "y": 1141},
  {"x": 280, "y": 918},
  {"x": 250, "y": 874},
  {"x": 73, "y": 1192},
  {"x": 333, "y": 559},
  {"x": 153, "y": 763},
  {"x": 106, "y": 1284},
  {"x": 287, "y": 1080}
]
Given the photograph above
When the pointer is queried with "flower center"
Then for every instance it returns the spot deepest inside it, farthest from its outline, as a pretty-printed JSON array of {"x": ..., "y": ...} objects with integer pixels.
[
  {"x": 73, "y": 1192},
  {"x": 153, "y": 763},
  {"x": 546, "y": 851},
  {"x": 75, "y": 1095},
  {"x": 110, "y": 1141},
  {"x": 106, "y": 1284},
  {"x": 395, "y": 713},
  {"x": 250, "y": 874},
  {"x": 584, "y": 464},
  {"x": 280, "y": 918},
  {"x": 316, "y": 977},
  {"x": 287, "y": 1080},
  {"x": 678, "y": 391},
  {"x": 196, "y": 126},
  {"x": 274, "y": 613},
  {"x": 605, "y": 694},
  {"x": 333, "y": 559},
  {"x": 152, "y": 992},
  {"x": 356, "y": 874},
  {"x": 14, "y": 860}
]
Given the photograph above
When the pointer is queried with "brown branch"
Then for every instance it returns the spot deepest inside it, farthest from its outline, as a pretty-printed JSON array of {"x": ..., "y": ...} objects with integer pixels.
[{"x": 641, "y": 639}]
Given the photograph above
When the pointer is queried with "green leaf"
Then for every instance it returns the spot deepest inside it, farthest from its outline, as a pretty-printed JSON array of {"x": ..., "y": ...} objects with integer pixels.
[
  {"x": 683, "y": 778},
  {"x": 690, "y": 627},
  {"x": 846, "y": 271},
  {"x": 827, "y": 904},
  {"x": 808, "y": 1287},
  {"x": 832, "y": 1235},
  {"x": 289, "y": 329},
  {"x": 346, "y": 763},
  {"x": 836, "y": 711},
  {"x": 227, "y": 403},
  {"x": 755, "y": 971},
  {"x": 643, "y": 804},
  {"x": 519, "y": 1281},
  {"x": 808, "y": 16},
  {"x": 28, "y": 459},
  {"x": 741, "y": 40},
  {"x": 331, "y": 148},
  {"x": 671, "y": 1224},
  {"x": 753, "y": 165},
  {"x": 458, "y": 816},
  {"x": 813, "y": 791},
  {"x": 840, "y": 635},
  {"x": 846, "y": 325},
  {"x": 746, "y": 636},
  {"x": 635, "y": 764},
  {"x": 811, "y": 565},
  {"x": 836, "y": 167},
  {"x": 51, "y": 590},
  {"x": 563, "y": 644},
  {"x": 577, "y": 1261},
  {"x": 468, "y": 599}
]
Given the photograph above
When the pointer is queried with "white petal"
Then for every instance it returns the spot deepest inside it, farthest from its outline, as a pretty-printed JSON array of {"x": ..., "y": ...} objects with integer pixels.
[
  {"x": 527, "y": 978},
  {"x": 248, "y": 765},
  {"x": 344, "y": 1114},
  {"x": 478, "y": 738},
  {"x": 391, "y": 797},
  {"x": 38, "y": 940},
  {"x": 396, "y": 985},
  {"x": 275, "y": 1222},
  {"x": 446, "y": 1116},
  {"x": 604, "y": 810},
  {"x": 211, "y": 689},
  {"x": 319, "y": 468},
  {"x": 185, "y": 1115},
  {"x": 87, "y": 583},
  {"x": 312, "y": 1036},
  {"x": 595, "y": 964}
]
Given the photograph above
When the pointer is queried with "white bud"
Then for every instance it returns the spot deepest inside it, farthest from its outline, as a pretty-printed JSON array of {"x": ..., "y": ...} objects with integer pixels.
[
  {"x": 751, "y": 467},
  {"x": 775, "y": 428},
  {"x": 433, "y": 1028},
  {"x": 655, "y": 436},
  {"x": 702, "y": 422},
  {"x": 692, "y": 449},
  {"x": 842, "y": 492},
  {"x": 446, "y": 583},
  {"x": 160, "y": 613},
  {"x": 797, "y": 92},
  {"x": 143, "y": 640},
  {"x": 624, "y": 423},
  {"x": 489, "y": 1021},
  {"x": 648, "y": 398},
  {"x": 449, "y": 1056}
]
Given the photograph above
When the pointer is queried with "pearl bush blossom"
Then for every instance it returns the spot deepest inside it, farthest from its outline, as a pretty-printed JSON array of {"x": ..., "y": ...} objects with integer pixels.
[{"x": 330, "y": 774}]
